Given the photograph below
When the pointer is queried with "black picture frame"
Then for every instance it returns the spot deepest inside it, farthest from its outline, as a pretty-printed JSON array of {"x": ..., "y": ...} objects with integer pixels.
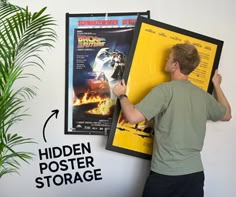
[
  {"x": 90, "y": 22},
  {"x": 156, "y": 37}
]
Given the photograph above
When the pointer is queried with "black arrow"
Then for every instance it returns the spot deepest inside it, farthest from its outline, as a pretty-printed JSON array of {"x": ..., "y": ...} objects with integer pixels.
[{"x": 54, "y": 112}]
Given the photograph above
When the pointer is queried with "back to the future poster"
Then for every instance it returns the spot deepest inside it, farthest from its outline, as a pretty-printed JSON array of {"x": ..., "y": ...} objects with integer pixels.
[{"x": 99, "y": 62}]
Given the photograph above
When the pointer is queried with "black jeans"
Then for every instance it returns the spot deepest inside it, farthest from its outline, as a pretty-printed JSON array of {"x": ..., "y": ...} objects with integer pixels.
[{"x": 189, "y": 185}]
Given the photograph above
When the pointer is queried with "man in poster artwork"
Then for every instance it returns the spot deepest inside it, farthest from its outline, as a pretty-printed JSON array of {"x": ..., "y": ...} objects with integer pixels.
[{"x": 180, "y": 111}]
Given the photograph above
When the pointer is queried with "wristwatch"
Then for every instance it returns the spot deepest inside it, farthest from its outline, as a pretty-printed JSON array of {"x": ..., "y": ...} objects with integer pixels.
[{"x": 122, "y": 96}]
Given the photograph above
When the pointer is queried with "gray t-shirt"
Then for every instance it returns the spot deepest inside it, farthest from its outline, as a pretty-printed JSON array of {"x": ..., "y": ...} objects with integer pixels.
[{"x": 180, "y": 111}]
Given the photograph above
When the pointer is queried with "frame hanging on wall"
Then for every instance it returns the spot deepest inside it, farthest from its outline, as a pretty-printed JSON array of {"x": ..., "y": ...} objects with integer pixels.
[
  {"x": 97, "y": 46},
  {"x": 145, "y": 69}
]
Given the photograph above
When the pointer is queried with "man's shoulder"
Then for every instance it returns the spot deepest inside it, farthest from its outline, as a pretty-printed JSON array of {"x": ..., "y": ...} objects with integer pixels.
[{"x": 164, "y": 88}]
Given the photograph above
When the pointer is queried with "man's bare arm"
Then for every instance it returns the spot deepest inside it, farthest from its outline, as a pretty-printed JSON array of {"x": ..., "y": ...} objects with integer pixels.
[
  {"x": 130, "y": 112},
  {"x": 220, "y": 97}
]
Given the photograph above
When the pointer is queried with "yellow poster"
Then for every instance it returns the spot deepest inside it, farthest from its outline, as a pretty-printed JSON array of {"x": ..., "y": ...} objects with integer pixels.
[{"x": 145, "y": 69}]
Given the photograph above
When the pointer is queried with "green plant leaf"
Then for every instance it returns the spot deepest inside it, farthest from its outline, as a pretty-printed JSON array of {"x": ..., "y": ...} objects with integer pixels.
[{"x": 23, "y": 36}]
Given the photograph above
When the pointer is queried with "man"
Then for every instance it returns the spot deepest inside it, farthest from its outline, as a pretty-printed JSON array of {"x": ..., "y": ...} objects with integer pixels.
[{"x": 180, "y": 111}]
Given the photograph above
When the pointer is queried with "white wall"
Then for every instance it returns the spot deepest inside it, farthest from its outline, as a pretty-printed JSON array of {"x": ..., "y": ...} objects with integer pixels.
[{"x": 123, "y": 175}]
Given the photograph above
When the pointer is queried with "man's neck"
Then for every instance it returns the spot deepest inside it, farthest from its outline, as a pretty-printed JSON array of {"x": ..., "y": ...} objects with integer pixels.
[{"x": 178, "y": 76}]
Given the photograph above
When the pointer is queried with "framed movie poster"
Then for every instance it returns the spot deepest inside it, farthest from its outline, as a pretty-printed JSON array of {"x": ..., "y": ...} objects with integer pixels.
[
  {"x": 97, "y": 46},
  {"x": 145, "y": 69}
]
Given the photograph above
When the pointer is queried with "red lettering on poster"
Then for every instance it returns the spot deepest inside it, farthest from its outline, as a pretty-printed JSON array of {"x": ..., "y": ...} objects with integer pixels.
[
  {"x": 128, "y": 21},
  {"x": 97, "y": 22}
]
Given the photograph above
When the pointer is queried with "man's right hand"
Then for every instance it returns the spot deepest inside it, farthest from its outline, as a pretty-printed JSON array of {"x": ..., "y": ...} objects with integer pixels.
[
  {"x": 216, "y": 79},
  {"x": 120, "y": 88}
]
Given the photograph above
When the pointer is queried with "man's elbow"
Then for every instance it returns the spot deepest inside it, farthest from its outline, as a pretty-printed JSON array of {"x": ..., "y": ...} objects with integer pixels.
[
  {"x": 227, "y": 117},
  {"x": 133, "y": 121}
]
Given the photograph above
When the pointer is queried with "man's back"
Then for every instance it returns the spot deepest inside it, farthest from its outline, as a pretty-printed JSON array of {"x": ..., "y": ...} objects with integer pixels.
[{"x": 180, "y": 111}]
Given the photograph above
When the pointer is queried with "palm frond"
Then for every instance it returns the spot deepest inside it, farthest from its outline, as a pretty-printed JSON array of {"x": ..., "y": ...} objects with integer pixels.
[{"x": 23, "y": 36}]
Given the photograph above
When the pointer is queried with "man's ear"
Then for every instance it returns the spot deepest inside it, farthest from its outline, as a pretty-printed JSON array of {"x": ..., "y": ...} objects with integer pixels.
[{"x": 175, "y": 66}]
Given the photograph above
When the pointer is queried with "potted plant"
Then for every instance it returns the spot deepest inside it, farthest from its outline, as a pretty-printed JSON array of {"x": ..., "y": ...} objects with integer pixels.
[{"x": 22, "y": 36}]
